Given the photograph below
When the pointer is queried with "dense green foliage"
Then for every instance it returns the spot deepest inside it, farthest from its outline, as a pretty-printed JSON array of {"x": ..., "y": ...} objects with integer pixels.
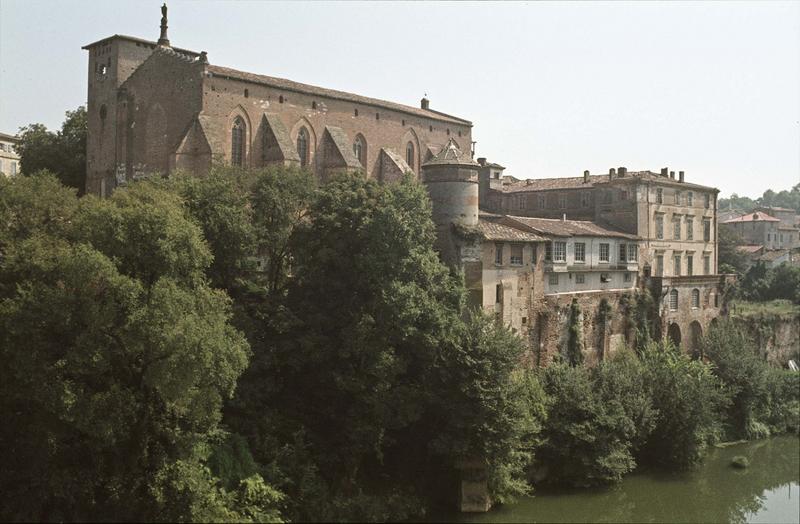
[
  {"x": 762, "y": 283},
  {"x": 62, "y": 152},
  {"x": 117, "y": 359},
  {"x": 788, "y": 199},
  {"x": 764, "y": 399},
  {"x": 731, "y": 260},
  {"x": 248, "y": 346}
]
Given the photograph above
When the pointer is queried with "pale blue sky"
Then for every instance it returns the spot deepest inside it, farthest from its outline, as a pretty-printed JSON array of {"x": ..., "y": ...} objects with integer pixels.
[{"x": 552, "y": 88}]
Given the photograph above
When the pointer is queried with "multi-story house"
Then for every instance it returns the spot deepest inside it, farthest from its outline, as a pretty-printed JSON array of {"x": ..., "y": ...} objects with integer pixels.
[{"x": 9, "y": 160}]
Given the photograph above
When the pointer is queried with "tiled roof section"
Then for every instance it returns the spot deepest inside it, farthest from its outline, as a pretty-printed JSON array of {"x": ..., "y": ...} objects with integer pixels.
[
  {"x": 750, "y": 249},
  {"x": 9, "y": 138},
  {"x": 290, "y": 85},
  {"x": 451, "y": 155},
  {"x": 570, "y": 228},
  {"x": 544, "y": 184},
  {"x": 148, "y": 43},
  {"x": 494, "y": 231},
  {"x": 752, "y": 217},
  {"x": 771, "y": 256}
]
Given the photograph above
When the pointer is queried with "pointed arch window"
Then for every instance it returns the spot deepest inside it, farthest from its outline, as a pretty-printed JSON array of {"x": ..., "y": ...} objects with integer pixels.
[
  {"x": 237, "y": 141},
  {"x": 673, "y": 300},
  {"x": 302, "y": 146},
  {"x": 410, "y": 155},
  {"x": 695, "y": 298},
  {"x": 358, "y": 150}
]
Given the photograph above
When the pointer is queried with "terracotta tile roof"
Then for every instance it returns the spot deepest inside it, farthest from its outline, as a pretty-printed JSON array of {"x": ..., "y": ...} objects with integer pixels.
[
  {"x": 569, "y": 228},
  {"x": 752, "y": 217},
  {"x": 543, "y": 184},
  {"x": 290, "y": 85},
  {"x": 750, "y": 249},
  {"x": 492, "y": 229}
]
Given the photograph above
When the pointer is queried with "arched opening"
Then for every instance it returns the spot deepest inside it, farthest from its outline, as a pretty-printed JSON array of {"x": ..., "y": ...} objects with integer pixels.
[
  {"x": 673, "y": 300},
  {"x": 360, "y": 150},
  {"x": 411, "y": 156},
  {"x": 695, "y": 338},
  {"x": 713, "y": 324},
  {"x": 674, "y": 334},
  {"x": 302, "y": 146},
  {"x": 238, "y": 131},
  {"x": 696, "y": 298}
]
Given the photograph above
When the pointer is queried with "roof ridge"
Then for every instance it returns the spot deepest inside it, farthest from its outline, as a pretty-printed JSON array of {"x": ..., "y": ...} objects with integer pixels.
[{"x": 293, "y": 85}]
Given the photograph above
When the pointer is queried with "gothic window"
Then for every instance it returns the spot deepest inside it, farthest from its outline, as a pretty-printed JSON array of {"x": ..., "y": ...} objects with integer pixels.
[
  {"x": 695, "y": 298},
  {"x": 358, "y": 150},
  {"x": 302, "y": 146},
  {"x": 410, "y": 155},
  {"x": 237, "y": 141}
]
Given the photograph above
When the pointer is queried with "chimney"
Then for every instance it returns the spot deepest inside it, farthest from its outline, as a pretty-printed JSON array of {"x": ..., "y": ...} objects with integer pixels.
[
  {"x": 611, "y": 173},
  {"x": 622, "y": 171},
  {"x": 424, "y": 103},
  {"x": 664, "y": 171},
  {"x": 586, "y": 177},
  {"x": 482, "y": 161},
  {"x": 672, "y": 174},
  {"x": 680, "y": 176}
]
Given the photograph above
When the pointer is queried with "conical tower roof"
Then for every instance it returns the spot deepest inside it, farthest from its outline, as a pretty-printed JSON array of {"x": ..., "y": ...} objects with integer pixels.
[{"x": 451, "y": 155}]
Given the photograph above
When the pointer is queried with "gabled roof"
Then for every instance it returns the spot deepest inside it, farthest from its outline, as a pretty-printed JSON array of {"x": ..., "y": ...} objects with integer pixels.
[
  {"x": 290, "y": 85},
  {"x": 771, "y": 256},
  {"x": 752, "y": 217}
]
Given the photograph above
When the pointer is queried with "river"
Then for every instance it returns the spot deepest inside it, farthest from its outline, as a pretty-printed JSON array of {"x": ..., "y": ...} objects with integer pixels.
[{"x": 766, "y": 491}]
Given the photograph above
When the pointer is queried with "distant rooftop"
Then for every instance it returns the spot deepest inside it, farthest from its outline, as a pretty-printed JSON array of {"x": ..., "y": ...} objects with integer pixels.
[
  {"x": 543, "y": 184},
  {"x": 752, "y": 217}
]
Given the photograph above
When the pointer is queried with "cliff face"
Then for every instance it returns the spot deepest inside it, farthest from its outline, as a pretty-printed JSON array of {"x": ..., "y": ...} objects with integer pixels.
[{"x": 777, "y": 336}]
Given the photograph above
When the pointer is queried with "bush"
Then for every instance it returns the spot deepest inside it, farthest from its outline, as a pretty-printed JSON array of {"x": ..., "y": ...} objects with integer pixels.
[
  {"x": 690, "y": 401},
  {"x": 591, "y": 428}
]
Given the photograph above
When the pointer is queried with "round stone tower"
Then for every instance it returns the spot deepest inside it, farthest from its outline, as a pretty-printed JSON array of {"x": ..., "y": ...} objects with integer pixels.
[{"x": 451, "y": 178}]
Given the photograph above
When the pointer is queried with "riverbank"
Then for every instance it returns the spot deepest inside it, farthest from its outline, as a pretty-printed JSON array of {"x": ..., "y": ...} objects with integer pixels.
[{"x": 767, "y": 491}]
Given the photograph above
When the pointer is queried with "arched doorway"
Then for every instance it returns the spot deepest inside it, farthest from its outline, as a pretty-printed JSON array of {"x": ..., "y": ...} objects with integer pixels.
[
  {"x": 695, "y": 338},
  {"x": 674, "y": 334}
]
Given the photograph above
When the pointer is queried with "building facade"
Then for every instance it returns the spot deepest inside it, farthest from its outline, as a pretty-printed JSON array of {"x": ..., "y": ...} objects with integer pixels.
[
  {"x": 154, "y": 108},
  {"x": 9, "y": 160}
]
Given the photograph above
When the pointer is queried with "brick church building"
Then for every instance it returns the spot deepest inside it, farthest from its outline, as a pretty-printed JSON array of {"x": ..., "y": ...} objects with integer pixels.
[{"x": 154, "y": 108}]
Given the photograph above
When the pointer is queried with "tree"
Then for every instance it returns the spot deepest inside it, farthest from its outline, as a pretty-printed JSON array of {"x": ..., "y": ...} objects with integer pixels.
[
  {"x": 62, "y": 153},
  {"x": 117, "y": 357},
  {"x": 731, "y": 260}
]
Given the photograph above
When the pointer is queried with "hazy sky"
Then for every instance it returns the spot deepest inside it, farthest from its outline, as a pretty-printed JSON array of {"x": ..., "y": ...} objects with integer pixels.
[{"x": 552, "y": 88}]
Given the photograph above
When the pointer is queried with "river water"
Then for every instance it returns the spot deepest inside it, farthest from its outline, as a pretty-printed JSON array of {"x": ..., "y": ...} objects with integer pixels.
[{"x": 767, "y": 491}]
